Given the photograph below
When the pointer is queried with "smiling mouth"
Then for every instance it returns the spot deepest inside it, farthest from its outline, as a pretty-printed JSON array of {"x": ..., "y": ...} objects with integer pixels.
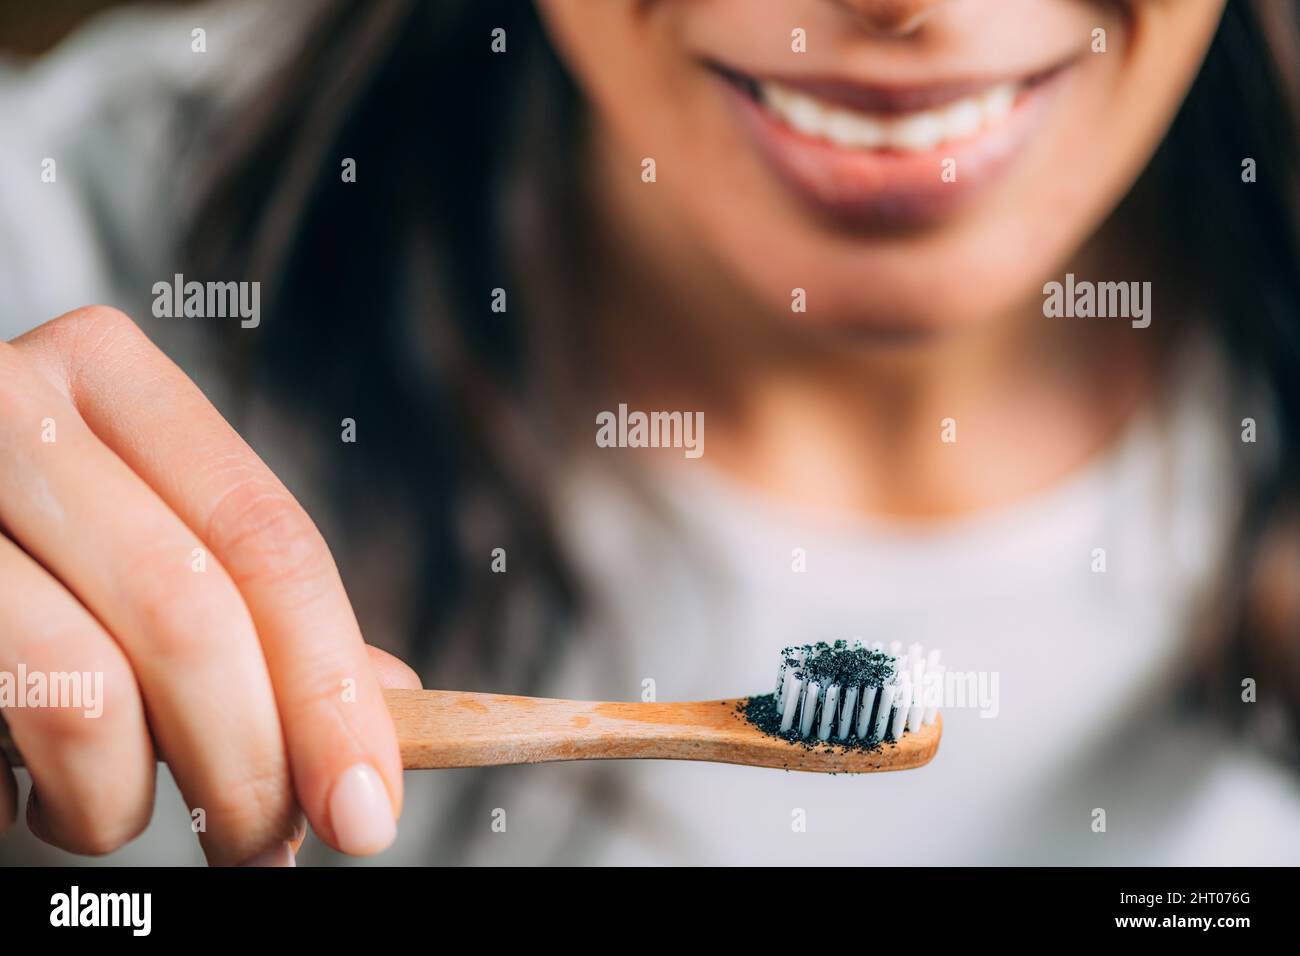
[
  {"x": 912, "y": 131},
  {"x": 876, "y": 155}
]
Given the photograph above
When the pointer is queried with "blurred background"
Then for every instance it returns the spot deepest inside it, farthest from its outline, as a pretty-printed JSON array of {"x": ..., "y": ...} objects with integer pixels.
[
  {"x": 113, "y": 94},
  {"x": 29, "y": 28}
]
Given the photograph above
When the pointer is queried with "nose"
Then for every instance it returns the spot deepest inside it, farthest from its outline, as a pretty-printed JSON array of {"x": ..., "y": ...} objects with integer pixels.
[{"x": 890, "y": 17}]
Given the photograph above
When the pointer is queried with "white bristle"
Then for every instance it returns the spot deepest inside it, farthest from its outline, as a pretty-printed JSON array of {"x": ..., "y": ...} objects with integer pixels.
[
  {"x": 916, "y": 711},
  {"x": 895, "y": 648},
  {"x": 811, "y": 694},
  {"x": 882, "y": 715},
  {"x": 848, "y": 712},
  {"x": 901, "y": 704},
  {"x": 795, "y": 655},
  {"x": 787, "y": 690},
  {"x": 828, "y": 712},
  {"x": 791, "y": 705},
  {"x": 914, "y": 718},
  {"x": 868, "y": 701}
]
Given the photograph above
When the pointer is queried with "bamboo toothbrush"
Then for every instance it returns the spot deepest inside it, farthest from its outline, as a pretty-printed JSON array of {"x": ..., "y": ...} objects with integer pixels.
[{"x": 877, "y": 724}]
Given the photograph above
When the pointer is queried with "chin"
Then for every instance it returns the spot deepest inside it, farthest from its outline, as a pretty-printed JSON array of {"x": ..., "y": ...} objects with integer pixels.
[
  {"x": 895, "y": 327},
  {"x": 906, "y": 308}
]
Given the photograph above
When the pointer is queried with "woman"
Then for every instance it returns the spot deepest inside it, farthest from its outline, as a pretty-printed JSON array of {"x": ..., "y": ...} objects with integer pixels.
[{"x": 829, "y": 228}]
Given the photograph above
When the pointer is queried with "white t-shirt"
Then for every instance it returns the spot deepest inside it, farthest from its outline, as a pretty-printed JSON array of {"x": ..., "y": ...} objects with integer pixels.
[
  {"x": 697, "y": 592},
  {"x": 696, "y": 588}
]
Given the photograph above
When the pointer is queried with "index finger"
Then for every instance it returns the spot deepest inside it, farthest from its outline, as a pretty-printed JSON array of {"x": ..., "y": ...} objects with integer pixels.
[{"x": 342, "y": 747}]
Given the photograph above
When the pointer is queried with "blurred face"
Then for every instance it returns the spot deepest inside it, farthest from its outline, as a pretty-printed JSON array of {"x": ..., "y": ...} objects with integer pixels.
[{"x": 912, "y": 164}]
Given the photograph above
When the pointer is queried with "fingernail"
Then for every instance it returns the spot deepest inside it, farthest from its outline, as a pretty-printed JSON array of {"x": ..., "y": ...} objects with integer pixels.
[
  {"x": 281, "y": 855},
  {"x": 360, "y": 811}
]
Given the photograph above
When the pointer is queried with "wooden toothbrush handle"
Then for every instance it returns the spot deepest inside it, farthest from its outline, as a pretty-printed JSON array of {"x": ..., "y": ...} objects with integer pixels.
[{"x": 454, "y": 729}]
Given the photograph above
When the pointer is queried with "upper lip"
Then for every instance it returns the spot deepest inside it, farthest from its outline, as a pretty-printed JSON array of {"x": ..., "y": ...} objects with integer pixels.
[{"x": 864, "y": 97}]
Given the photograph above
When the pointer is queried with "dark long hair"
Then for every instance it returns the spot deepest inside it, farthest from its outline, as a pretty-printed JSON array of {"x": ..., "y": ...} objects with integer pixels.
[
  {"x": 379, "y": 298},
  {"x": 378, "y": 292}
]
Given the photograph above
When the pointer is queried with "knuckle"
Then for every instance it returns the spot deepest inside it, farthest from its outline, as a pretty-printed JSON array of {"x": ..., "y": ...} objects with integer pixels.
[
  {"x": 96, "y": 811},
  {"x": 258, "y": 804},
  {"x": 92, "y": 323},
  {"x": 60, "y": 349},
  {"x": 63, "y": 728},
  {"x": 84, "y": 336},
  {"x": 74, "y": 334},
  {"x": 100, "y": 842},
  {"x": 98, "y": 830},
  {"x": 90, "y": 317},
  {"x": 74, "y": 687},
  {"x": 263, "y": 534},
  {"x": 89, "y": 324},
  {"x": 181, "y": 612}
]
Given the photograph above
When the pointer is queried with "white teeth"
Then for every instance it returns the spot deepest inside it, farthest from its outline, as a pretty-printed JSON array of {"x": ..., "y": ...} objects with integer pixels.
[
  {"x": 849, "y": 129},
  {"x": 805, "y": 114},
  {"x": 998, "y": 101},
  {"x": 963, "y": 118},
  {"x": 917, "y": 131},
  {"x": 911, "y": 132}
]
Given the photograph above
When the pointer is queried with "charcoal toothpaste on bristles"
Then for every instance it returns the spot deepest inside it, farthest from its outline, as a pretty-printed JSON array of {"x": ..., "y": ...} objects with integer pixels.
[{"x": 848, "y": 694}]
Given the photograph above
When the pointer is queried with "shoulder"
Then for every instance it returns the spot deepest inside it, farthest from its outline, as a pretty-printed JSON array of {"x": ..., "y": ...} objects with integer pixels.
[
  {"x": 1246, "y": 811},
  {"x": 99, "y": 146}
]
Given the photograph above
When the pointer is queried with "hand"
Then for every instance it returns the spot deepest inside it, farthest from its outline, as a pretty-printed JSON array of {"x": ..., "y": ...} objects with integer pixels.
[{"x": 142, "y": 539}]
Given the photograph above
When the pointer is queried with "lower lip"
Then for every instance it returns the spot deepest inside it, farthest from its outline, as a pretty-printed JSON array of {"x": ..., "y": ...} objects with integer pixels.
[{"x": 868, "y": 188}]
